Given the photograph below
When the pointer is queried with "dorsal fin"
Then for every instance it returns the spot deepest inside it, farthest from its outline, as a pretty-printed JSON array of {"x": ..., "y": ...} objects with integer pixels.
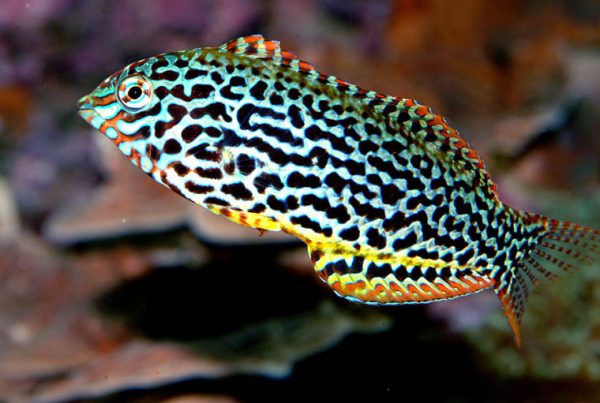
[
  {"x": 433, "y": 130},
  {"x": 406, "y": 109},
  {"x": 258, "y": 47}
]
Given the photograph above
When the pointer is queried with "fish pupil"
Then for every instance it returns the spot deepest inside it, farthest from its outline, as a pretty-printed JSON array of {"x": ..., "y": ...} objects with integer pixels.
[{"x": 134, "y": 92}]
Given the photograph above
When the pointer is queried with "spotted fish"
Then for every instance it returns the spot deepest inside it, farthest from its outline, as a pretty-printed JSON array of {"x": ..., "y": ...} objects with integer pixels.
[{"x": 394, "y": 205}]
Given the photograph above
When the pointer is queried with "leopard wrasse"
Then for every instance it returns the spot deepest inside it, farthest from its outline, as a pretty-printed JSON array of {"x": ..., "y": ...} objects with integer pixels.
[{"x": 394, "y": 206}]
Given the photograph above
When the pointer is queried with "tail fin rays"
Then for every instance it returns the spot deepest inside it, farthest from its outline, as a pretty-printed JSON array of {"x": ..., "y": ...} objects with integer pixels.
[{"x": 562, "y": 247}]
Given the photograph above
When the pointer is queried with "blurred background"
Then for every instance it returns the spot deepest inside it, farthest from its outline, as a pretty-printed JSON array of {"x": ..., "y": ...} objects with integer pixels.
[{"x": 114, "y": 289}]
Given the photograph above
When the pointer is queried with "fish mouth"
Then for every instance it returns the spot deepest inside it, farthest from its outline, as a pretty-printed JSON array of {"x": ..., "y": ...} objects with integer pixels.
[
  {"x": 88, "y": 112},
  {"x": 85, "y": 103}
]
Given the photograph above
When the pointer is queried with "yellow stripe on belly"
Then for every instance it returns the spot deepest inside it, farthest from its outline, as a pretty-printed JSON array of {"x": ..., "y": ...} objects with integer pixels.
[{"x": 253, "y": 220}]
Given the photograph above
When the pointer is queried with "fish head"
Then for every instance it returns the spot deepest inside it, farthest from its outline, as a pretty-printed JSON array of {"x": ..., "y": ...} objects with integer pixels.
[
  {"x": 155, "y": 110},
  {"x": 119, "y": 105}
]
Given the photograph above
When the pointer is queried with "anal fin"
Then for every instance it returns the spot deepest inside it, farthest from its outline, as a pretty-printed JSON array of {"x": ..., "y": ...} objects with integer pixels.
[{"x": 393, "y": 279}]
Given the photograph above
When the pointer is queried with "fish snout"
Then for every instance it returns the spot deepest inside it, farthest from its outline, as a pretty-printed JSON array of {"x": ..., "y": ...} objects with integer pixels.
[
  {"x": 85, "y": 103},
  {"x": 88, "y": 112}
]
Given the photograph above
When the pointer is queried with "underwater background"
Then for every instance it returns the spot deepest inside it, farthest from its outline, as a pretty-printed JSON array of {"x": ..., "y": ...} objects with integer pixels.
[{"x": 115, "y": 289}]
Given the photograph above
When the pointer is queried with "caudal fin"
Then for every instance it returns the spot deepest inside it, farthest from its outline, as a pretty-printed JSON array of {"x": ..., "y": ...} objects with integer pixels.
[{"x": 561, "y": 247}]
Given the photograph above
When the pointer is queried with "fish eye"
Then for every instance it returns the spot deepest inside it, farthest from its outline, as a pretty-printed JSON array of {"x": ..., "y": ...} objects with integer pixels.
[{"x": 135, "y": 93}]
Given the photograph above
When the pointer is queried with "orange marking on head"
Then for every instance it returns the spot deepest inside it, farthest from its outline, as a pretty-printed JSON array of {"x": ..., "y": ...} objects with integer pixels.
[
  {"x": 109, "y": 99},
  {"x": 121, "y": 138},
  {"x": 135, "y": 157}
]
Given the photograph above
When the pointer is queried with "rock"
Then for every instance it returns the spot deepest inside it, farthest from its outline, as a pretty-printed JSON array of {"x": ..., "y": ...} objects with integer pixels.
[
  {"x": 200, "y": 399},
  {"x": 269, "y": 349},
  {"x": 9, "y": 222}
]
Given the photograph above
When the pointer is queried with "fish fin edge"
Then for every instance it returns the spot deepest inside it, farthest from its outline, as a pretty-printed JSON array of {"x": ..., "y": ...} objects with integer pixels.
[
  {"x": 439, "y": 135},
  {"x": 392, "y": 279},
  {"x": 561, "y": 248},
  {"x": 257, "y": 46}
]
